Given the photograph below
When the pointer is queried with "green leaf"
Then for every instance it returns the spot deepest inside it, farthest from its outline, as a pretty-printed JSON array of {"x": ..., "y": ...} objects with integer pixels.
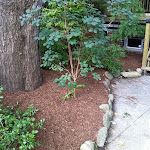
[
  {"x": 63, "y": 83},
  {"x": 56, "y": 80},
  {"x": 70, "y": 85},
  {"x": 28, "y": 11},
  {"x": 69, "y": 78},
  {"x": 94, "y": 60},
  {"x": 59, "y": 85},
  {"x": 94, "y": 23},
  {"x": 74, "y": 84},
  {"x": 91, "y": 30}
]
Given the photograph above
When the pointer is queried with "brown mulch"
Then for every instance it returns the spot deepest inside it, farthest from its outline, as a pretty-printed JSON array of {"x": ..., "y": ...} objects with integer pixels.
[
  {"x": 72, "y": 122},
  {"x": 132, "y": 61}
]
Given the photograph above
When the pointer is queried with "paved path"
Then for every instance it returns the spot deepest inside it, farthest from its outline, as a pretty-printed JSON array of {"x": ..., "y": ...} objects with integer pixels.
[{"x": 132, "y": 107}]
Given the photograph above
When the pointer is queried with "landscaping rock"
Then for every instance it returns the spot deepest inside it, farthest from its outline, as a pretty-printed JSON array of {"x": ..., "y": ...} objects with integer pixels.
[
  {"x": 89, "y": 145},
  {"x": 111, "y": 97},
  {"x": 108, "y": 75},
  {"x": 132, "y": 74},
  {"x": 106, "y": 83},
  {"x": 110, "y": 104},
  {"x": 139, "y": 70},
  {"x": 104, "y": 107},
  {"x": 110, "y": 114},
  {"x": 102, "y": 135},
  {"x": 106, "y": 121}
]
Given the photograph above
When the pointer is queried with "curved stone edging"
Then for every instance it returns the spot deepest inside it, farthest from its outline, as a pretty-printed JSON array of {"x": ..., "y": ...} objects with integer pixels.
[
  {"x": 103, "y": 132},
  {"x": 107, "y": 118}
]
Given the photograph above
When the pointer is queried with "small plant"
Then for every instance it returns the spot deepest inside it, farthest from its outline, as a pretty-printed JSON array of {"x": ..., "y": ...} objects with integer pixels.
[
  {"x": 126, "y": 115},
  {"x": 1, "y": 89},
  {"x": 18, "y": 128},
  {"x": 72, "y": 93},
  {"x": 112, "y": 125},
  {"x": 112, "y": 57}
]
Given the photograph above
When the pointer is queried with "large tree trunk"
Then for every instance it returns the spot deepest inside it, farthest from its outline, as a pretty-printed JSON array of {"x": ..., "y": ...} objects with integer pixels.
[{"x": 19, "y": 52}]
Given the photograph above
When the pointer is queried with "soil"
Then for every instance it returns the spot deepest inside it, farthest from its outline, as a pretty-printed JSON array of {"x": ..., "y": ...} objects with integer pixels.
[
  {"x": 69, "y": 123},
  {"x": 132, "y": 61}
]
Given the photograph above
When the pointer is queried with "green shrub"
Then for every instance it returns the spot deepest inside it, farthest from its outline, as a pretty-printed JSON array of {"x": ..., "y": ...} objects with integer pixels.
[
  {"x": 80, "y": 27},
  {"x": 112, "y": 57},
  {"x": 18, "y": 128},
  {"x": 69, "y": 23},
  {"x": 58, "y": 48}
]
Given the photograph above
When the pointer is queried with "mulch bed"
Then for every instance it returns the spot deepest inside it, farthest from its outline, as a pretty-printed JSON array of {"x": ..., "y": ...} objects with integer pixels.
[
  {"x": 132, "y": 61},
  {"x": 68, "y": 123}
]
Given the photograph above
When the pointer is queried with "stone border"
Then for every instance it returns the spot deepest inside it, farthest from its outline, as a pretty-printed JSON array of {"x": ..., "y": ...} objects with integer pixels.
[
  {"x": 107, "y": 118},
  {"x": 103, "y": 132}
]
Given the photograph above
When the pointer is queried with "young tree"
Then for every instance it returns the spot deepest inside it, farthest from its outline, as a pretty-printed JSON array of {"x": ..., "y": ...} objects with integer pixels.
[
  {"x": 19, "y": 52},
  {"x": 70, "y": 22},
  {"x": 79, "y": 26}
]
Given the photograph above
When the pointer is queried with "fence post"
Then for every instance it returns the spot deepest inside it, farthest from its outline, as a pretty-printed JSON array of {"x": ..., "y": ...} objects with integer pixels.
[{"x": 146, "y": 43}]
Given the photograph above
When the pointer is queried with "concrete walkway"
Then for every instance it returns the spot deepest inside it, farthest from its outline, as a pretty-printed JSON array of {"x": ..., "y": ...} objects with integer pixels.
[{"x": 131, "y": 124}]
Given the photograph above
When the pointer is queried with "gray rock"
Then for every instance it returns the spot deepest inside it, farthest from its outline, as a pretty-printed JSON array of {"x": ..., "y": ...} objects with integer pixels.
[
  {"x": 110, "y": 104},
  {"x": 132, "y": 74},
  {"x": 105, "y": 107},
  {"x": 110, "y": 113},
  {"x": 102, "y": 135},
  {"x": 108, "y": 75},
  {"x": 106, "y": 121},
  {"x": 89, "y": 145},
  {"x": 139, "y": 70},
  {"x": 106, "y": 83},
  {"x": 111, "y": 97}
]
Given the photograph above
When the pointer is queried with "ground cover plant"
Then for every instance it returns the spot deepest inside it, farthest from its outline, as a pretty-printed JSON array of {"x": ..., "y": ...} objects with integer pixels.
[
  {"x": 79, "y": 28},
  {"x": 18, "y": 128}
]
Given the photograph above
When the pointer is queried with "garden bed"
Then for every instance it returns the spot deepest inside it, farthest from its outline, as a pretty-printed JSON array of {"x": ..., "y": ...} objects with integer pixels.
[{"x": 70, "y": 123}]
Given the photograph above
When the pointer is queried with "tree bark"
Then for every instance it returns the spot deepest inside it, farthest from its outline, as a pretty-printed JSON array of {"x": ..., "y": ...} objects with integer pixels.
[{"x": 19, "y": 52}]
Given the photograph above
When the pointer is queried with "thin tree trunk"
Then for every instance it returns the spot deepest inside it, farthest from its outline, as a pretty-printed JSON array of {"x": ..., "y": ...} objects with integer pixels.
[{"x": 19, "y": 52}]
